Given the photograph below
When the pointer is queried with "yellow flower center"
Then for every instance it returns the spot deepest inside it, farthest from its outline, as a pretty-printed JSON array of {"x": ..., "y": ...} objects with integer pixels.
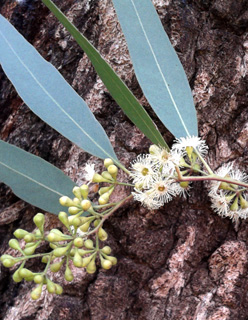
[
  {"x": 144, "y": 171},
  {"x": 161, "y": 188}
]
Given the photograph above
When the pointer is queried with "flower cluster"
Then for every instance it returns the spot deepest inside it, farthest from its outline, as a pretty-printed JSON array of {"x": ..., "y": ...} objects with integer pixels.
[
  {"x": 155, "y": 174},
  {"x": 228, "y": 199}
]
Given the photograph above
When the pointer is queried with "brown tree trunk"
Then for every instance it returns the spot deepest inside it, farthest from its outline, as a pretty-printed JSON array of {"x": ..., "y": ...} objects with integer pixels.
[{"x": 181, "y": 262}]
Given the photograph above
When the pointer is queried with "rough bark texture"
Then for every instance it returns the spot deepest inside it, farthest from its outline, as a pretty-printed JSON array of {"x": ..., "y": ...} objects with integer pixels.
[{"x": 182, "y": 261}]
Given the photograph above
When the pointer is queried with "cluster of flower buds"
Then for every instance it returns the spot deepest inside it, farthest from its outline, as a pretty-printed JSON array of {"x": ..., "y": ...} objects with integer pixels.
[
  {"x": 73, "y": 247},
  {"x": 32, "y": 241}
]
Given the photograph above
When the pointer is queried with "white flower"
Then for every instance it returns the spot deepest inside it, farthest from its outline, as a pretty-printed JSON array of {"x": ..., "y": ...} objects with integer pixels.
[
  {"x": 146, "y": 200},
  {"x": 89, "y": 172},
  {"x": 167, "y": 159},
  {"x": 143, "y": 170},
  {"x": 182, "y": 143},
  {"x": 162, "y": 189},
  {"x": 243, "y": 213},
  {"x": 220, "y": 204}
]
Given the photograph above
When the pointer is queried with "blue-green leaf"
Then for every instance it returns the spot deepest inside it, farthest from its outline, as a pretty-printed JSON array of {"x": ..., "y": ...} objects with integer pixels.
[
  {"x": 48, "y": 95},
  {"x": 33, "y": 179},
  {"x": 157, "y": 67}
]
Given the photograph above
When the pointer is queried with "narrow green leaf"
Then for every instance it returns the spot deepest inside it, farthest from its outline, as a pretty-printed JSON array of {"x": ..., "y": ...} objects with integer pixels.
[
  {"x": 157, "y": 67},
  {"x": 33, "y": 179},
  {"x": 48, "y": 95},
  {"x": 117, "y": 88}
]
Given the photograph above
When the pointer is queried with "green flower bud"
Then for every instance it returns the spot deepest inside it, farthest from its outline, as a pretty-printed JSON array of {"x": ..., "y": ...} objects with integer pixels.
[
  {"x": 8, "y": 263},
  {"x": 102, "y": 234},
  {"x": 14, "y": 244},
  {"x": 84, "y": 219},
  {"x": 89, "y": 244},
  {"x": 103, "y": 190},
  {"x": 224, "y": 186},
  {"x": 91, "y": 267},
  {"x": 106, "y": 250},
  {"x": 184, "y": 184},
  {"x": 29, "y": 238},
  {"x": 58, "y": 289},
  {"x": 66, "y": 201},
  {"x": 75, "y": 222},
  {"x": 64, "y": 219},
  {"x": 30, "y": 244},
  {"x": 108, "y": 162},
  {"x": 55, "y": 267},
  {"x": 96, "y": 223},
  {"x": 51, "y": 288},
  {"x": 83, "y": 252},
  {"x": 57, "y": 231},
  {"x": 76, "y": 201},
  {"x": 113, "y": 170},
  {"x": 26, "y": 274},
  {"x": 45, "y": 259},
  {"x": 53, "y": 246},
  {"x": 182, "y": 163},
  {"x": 84, "y": 189},
  {"x": 243, "y": 202},
  {"x": 16, "y": 276},
  {"x": 6, "y": 256},
  {"x": 38, "y": 234},
  {"x": 39, "y": 220},
  {"x": 77, "y": 192},
  {"x": 112, "y": 259},
  {"x": 107, "y": 176},
  {"x": 77, "y": 260},
  {"x": 87, "y": 260},
  {"x": 53, "y": 237},
  {"x": 78, "y": 242},
  {"x": 36, "y": 293},
  {"x": 68, "y": 275},
  {"x": 74, "y": 210},
  {"x": 86, "y": 204},
  {"x": 103, "y": 199},
  {"x": 38, "y": 279},
  {"x": 98, "y": 178},
  {"x": 235, "y": 206},
  {"x": 20, "y": 233},
  {"x": 189, "y": 151},
  {"x": 85, "y": 226},
  {"x": 106, "y": 264},
  {"x": 72, "y": 252},
  {"x": 59, "y": 252}
]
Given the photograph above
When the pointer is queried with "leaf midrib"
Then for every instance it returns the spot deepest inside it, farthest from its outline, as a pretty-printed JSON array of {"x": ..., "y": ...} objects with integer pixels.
[{"x": 31, "y": 179}]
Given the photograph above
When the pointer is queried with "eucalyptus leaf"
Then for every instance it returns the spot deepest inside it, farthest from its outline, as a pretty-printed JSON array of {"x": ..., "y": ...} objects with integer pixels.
[
  {"x": 33, "y": 179},
  {"x": 48, "y": 95},
  {"x": 157, "y": 67},
  {"x": 117, "y": 88}
]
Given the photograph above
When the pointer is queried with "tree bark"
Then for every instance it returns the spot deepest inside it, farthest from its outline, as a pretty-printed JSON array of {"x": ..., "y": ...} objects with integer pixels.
[{"x": 183, "y": 261}]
